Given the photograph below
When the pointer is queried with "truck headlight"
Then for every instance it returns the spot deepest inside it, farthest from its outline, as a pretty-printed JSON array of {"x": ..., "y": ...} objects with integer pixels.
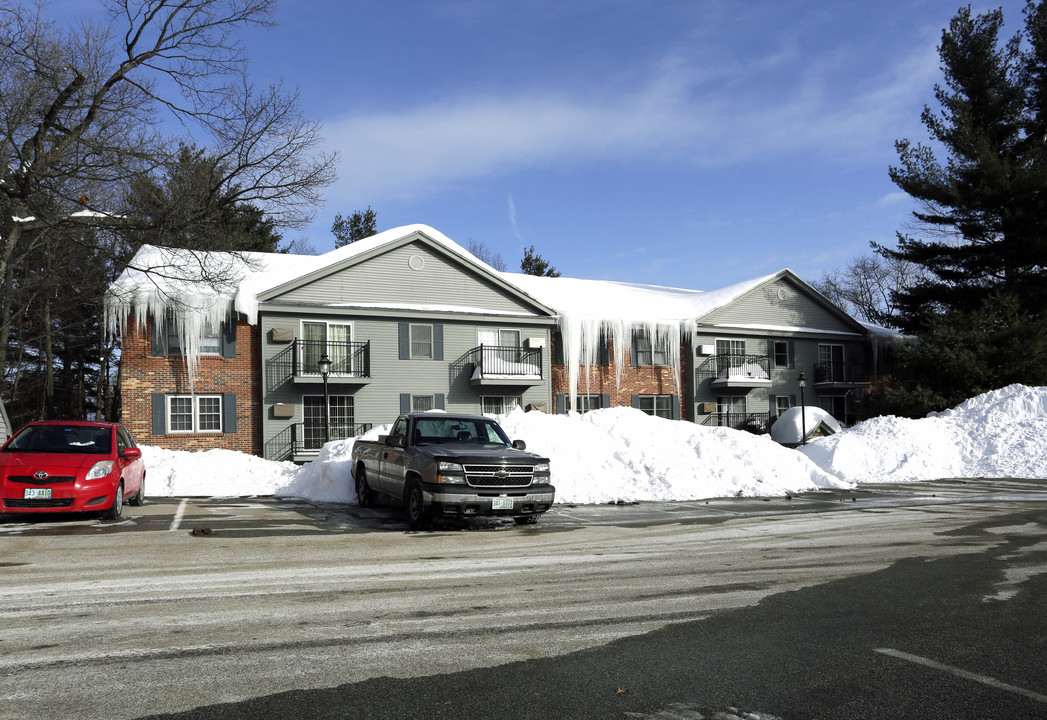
[
  {"x": 541, "y": 473},
  {"x": 447, "y": 472}
]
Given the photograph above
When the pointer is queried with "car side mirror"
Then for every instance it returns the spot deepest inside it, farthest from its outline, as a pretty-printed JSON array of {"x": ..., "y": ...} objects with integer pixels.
[
  {"x": 395, "y": 441},
  {"x": 519, "y": 444},
  {"x": 132, "y": 453}
]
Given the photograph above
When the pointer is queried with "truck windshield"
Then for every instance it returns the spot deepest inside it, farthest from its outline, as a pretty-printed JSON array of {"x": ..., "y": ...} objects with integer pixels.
[{"x": 459, "y": 430}]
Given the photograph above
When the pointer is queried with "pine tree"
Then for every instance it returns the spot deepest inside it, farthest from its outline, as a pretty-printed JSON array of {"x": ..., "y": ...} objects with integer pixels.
[
  {"x": 533, "y": 264},
  {"x": 357, "y": 226},
  {"x": 981, "y": 213}
]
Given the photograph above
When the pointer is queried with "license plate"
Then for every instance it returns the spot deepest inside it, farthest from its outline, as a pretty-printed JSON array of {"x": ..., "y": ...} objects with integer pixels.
[
  {"x": 37, "y": 494},
  {"x": 501, "y": 504}
]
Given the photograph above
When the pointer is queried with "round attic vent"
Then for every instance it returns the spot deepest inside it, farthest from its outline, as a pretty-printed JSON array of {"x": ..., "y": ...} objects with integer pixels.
[
  {"x": 417, "y": 262},
  {"x": 782, "y": 294}
]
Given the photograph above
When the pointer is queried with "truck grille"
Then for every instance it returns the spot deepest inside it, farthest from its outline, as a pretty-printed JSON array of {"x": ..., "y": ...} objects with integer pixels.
[{"x": 499, "y": 475}]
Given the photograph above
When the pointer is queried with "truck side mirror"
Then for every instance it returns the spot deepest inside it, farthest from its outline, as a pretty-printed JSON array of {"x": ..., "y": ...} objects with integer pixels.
[
  {"x": 519, "y": 444},
  {"x": 396, "y": 441}
]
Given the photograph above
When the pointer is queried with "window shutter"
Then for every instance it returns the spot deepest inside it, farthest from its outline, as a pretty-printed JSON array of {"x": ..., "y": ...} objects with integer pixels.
[
  {"x": 158, "y": 339},
  {"x": 159, "y": 413},
  {"x": 636, "y": 401},
  {"x": 770, "y": 351},
  {"x": 405, "y": 343},
  {"x": 438, "y": 342},
  {"x": 229, "y": 413},
  {"x": 605, "y": 401},
  {"x": 772, "y": 405},
  {"x": 605, "y": 351},
  {"x": 229, "y": 338},
  {"x": 676, "y": 407},
  {"x": 792, "y": 401},
  {"x": 632, "y": 355},
  {"x": 561, "y": 404},
  {"x": 438, "y": 401},
  {"x": 792, "y": 354},
  {"x": 405, "y": 403},
  {"x": 558, "y": 347}
]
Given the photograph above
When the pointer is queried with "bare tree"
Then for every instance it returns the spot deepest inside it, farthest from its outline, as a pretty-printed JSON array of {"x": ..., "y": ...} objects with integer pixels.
[
  {"x": 486, "y": 254},
  {"x": 865, "y": 288},
  {"x": 82, "y": 113}
]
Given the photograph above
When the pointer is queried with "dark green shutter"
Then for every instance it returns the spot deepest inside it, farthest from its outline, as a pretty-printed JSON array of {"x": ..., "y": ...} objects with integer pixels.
[
  {"x": 561, "y": 404},
  {"x": 404, "y": 332},
  {"x": 676, "y": 407},
  {"x": 558, "y": 347},
  {"x": 159, "y": 413},
  {"x": 636, "y": 401},
  {"x": 229, "y": 338},
  {"x": 605, "y": 351},
  {"x": 792, "y": 354},
  {"x": 405, "y": 403},
  {"x": 438, "y": 401},
  {"x": 229, "y": 412},
  {"x": 438, "y": 342},
  {"x": 605, "y": 401},
  {"x": 632, "y": 356}
]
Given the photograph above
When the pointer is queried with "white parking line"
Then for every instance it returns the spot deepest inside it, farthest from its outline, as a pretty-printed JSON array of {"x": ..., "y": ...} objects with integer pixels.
[
  {"x": 178, "y": 514},
  {"x": 984, "y": 679}
]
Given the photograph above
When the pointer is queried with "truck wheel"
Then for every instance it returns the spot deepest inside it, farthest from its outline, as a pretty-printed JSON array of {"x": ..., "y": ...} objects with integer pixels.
[
  {"x": 417, "y": 516},
  {"x": 364, "y": 497},
  {"x": 525, "y": 519}
]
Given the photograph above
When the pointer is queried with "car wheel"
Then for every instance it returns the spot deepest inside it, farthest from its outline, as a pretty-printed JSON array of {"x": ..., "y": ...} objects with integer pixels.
[
  {"x": 417, "y": 516},
  {"x": 139, "y": 498},
  {"x": 364, "y": 497},
  {"x": 525, "y": 519},
  {"x": 117, "y": 508}
]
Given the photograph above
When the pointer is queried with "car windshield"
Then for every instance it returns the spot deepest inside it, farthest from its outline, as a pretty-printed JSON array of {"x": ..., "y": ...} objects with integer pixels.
[
  {"x": 459, "y": 430},
  {"x": 62, "y": 439}
]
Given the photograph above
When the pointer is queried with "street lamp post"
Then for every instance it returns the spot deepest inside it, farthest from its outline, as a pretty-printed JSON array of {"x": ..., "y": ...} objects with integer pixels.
[
  {"x": 803, "y": 410},
  {"x": 324, "y": 363}
]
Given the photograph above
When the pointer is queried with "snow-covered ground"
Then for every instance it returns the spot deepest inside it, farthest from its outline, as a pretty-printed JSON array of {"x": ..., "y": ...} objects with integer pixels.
[{"x": 623, "y": 454}]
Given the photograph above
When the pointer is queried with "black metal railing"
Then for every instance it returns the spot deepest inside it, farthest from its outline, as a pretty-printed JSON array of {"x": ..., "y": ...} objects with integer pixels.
[
  {"x": 348, "y": 359},
  {"x": 309, "y": 437},
  {"x": 840, "y": 372},
  {"x": 756, "y": 423},
  {"x": 735, "y": 366},
  {"x": 506, "y": 361}
]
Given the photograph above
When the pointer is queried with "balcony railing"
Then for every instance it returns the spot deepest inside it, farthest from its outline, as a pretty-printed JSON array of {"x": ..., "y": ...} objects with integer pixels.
[
  {"x": 840, "y": 373},
  {"x": 756, "y": 423},
  {"x": 300, "y": 439},
  {"x": 505, "y": 362},
  {"x": 349, "y": 360},
  {"x": 736, "y": 370}
]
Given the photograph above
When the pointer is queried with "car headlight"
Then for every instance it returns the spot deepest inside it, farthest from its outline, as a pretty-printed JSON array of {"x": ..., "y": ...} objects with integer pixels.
[
  {"x": 99, "y": 470},
  {"x": 447, "y": 472}
]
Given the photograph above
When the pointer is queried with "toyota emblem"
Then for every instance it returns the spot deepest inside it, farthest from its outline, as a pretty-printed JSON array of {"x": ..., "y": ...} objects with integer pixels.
[{"x": 40, "y": 475}]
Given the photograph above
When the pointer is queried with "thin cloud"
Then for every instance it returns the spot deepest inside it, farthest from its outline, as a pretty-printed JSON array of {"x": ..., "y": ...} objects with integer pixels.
[{"x": 512, "y": 218}]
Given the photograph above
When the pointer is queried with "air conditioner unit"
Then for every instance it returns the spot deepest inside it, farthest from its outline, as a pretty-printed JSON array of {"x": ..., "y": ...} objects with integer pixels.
[
  {"x": 535, "y": 342},
  {"x": 706, "y": 350},
  {"x": 707, "y": 407},
  {"x": 283, "y": 410}
]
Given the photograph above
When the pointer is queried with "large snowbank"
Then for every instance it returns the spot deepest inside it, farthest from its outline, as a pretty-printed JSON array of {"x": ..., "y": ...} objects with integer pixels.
[{"x": 623, "y": 454}]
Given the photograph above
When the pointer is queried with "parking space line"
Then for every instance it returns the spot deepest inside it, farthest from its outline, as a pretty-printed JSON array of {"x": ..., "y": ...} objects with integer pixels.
[
  {"x": 984, "y": 679},
  {"x": 178, "y": 514}
]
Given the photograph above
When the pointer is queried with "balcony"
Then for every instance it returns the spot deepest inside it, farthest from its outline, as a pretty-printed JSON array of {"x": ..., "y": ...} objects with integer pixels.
[
  {"x": 756, "y": 423},
  {"x": 302, "y": 441},
  {"x": 736, "y": 371},
  {"x": 494, "y": 365},
  {"x": 840, "y": 375},
  {"x": 350, "y": 363}
]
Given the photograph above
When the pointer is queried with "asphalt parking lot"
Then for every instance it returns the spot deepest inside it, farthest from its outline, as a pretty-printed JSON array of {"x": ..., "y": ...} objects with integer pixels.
[{"x": 266, "y": 516}]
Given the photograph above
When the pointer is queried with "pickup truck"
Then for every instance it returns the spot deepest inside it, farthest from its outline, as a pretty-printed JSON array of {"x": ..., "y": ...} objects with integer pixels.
[{"x": 452, "y": 466}]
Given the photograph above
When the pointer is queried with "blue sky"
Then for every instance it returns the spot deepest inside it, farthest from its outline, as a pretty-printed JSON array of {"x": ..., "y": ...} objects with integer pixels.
[{"x": 683, "y": 143}]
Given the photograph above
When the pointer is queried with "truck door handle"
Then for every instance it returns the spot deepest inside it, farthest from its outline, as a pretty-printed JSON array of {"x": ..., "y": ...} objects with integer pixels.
[{"x": 385, "y": 455}]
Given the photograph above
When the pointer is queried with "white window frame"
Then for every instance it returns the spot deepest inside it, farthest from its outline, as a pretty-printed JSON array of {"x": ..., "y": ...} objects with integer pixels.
[
  {"x": 655, "y": 401},
  {"x": 173, "y": 340},
  {"x": 416, "y": 398},
  {"x": 785, "y": 353},
  {"x": 657, "y": 348},
  {"x": 196, "y": 414},
  {"x": 504, "y": 401},
  {"x": 588, "y": 403},
  {"x": 411, "y": 341},
  {"x": 311, "y": 368},
  {"x": 781, "y": 404}
]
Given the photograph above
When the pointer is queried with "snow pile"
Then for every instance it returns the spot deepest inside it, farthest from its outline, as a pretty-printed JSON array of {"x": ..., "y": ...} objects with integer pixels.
[
  {"x": 998, "y": 434},
  {"x": 623, "y": 454}
]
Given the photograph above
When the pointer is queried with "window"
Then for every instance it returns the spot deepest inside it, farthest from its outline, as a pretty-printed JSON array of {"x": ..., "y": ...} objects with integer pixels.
[
  {"x": 320, "y": 338},
  {"x": 729, "y": 354},
  {"x": 781, "y": 404},
  {"x": 588, "y": 402},
  {"x": 781, "y": 353},
  {"x": 730, "y": 410},
  {"x": 647, "y": 352},
  {"x": 340, "y": 414},
  {"x": 194, "y": 413},
  {"x": 657, "y": 405},
  {"x": 835, "y": 405},
  {"x": 495, "y": 336},
  {"x": 421, "y": 342},
  {"x": 210, "y": 342},
  {"x": 422, "y": 403},
  {"x": 830, "y": 364},
  {"x": 498, "y": 404}
]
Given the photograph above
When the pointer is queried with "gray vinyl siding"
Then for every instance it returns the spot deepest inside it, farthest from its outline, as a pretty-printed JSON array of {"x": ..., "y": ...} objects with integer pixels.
[
  {"x": 762, "y": 307},
  {"x": 389, "y": 278},
  {"x": 378, "y": 400}
]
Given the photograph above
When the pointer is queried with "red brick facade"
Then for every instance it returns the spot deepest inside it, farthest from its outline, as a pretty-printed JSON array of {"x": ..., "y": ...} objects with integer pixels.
[
  {"x": 142, "y": 375},
  {"x": 636, "y": 380}
]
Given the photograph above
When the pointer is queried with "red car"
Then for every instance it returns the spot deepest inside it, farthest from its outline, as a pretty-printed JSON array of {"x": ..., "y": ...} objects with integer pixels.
[{"x": 71, "y": 466}]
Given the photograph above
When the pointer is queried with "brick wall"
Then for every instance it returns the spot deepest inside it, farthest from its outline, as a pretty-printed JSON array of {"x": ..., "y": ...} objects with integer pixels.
[
  {"x": 141, "y": 375},
  {"x": 636, "y": 380}
]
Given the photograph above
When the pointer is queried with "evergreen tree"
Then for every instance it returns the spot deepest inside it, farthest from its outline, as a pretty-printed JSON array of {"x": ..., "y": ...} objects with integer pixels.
[
  {"x": 982, "y": 216},
  {"x": 357, "y": 226},
  {"x": 533, "y": 264}
]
